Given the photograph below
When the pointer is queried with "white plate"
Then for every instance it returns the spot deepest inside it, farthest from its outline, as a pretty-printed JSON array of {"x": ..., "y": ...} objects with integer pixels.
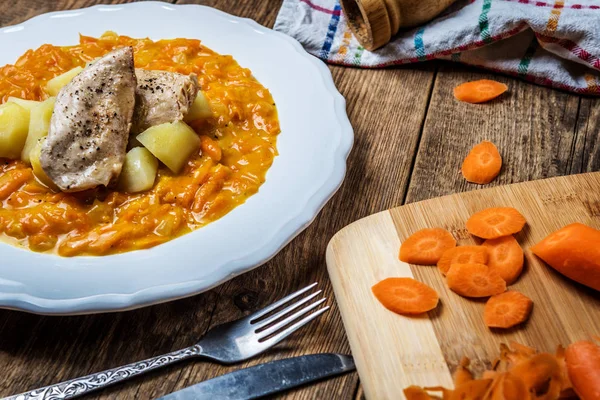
[{"x": 313, "y": 146}]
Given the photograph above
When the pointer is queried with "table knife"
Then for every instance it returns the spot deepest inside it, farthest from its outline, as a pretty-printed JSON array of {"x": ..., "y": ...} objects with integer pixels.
[{"x": 266, "y": 379}]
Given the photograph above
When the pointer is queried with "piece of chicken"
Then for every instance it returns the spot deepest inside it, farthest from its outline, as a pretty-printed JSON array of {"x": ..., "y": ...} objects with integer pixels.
[
  {"x": 90, "y": 125},
  {"x": 161, "y": 97}
]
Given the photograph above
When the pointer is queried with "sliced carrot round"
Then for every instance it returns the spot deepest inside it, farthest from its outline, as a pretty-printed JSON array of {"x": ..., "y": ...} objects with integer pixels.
[
  {"x": 474, "y": 280},
  {"x": 425, "y": 247},
  {"x": 507, "y": 309},
  {"x": 483, "y": 163},
  {"x": 495, "y": 222},
  {"x": 505, "y": 257},
  {"x": 405, "y": 295},
  {"x": 583, "y": 365},
  {"x": 479, "y": 91},
  {"x": 462, "y": 255}
]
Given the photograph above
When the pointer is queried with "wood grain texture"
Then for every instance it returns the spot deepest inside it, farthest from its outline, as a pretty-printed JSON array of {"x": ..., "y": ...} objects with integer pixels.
[
  {"x": 386, "y": 108},
  {"x": 532, "y": 126},
  {"x": 366, "y": 252}
]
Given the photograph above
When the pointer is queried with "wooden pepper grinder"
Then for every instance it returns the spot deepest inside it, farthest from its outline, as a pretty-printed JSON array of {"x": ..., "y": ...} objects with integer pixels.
[{"x": 374, "y": 22}]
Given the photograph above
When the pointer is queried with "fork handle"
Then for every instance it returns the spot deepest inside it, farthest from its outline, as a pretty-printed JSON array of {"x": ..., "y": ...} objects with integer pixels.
[{"x": 80, "y": 386}]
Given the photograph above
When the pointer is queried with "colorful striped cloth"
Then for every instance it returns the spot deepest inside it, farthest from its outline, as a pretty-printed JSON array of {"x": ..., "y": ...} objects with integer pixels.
[{"x": 555, "y": 43}]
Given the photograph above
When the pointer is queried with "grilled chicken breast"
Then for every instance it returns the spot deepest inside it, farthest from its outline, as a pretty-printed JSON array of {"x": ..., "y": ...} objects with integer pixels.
[
  {"x": 161, "y": 97},
  {"x": 89, "y": 129}
]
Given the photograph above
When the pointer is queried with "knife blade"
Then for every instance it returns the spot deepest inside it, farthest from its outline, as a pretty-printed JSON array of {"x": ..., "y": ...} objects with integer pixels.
[{"x": 269, "y": 378}]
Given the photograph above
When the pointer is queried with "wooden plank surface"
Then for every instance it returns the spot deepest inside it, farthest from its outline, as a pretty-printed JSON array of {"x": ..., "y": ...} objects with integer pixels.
[
  {"x": 387, "y": 109},
  {"x": 393, "y": 351}
]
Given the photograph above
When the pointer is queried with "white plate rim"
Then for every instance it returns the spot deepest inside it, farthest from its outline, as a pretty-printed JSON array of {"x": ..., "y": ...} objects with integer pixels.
[{"x": 296, "y": 224}]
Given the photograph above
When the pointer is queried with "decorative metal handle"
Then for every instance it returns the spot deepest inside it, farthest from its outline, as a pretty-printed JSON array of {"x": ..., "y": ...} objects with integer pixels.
[{"x": 80, "y": 386}]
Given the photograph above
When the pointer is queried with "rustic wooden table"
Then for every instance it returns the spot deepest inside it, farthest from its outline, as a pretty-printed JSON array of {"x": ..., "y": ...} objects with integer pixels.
[{"x": 410, "y": 140}]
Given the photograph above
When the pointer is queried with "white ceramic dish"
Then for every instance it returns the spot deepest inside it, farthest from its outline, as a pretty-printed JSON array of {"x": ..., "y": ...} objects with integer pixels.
[{"x": 313, "y": 146}]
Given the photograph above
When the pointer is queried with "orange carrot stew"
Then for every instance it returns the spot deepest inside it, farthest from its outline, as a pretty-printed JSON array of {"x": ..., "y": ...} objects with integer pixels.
[
  {"x": 483, "y": 163},
  {"x": 425, "y": 247},
  {"x": 507, "y": 309},
  {"x": 479, "y": 91},
  {"x": 474, "y": 280},
  {"x": 495, "y": 222},
  {"x": 405, "y": 296},
  {"x": 505, "y": 257},
  {"x": 462, "y": 255},
  {"x": 583, "y": 367},
  {"x": 521, "y": 373},
  {"x": 574, "y": 251}
]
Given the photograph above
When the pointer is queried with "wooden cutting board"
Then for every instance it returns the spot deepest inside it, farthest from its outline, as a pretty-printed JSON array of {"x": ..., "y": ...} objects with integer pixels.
[{"x": 393, "y": 351}]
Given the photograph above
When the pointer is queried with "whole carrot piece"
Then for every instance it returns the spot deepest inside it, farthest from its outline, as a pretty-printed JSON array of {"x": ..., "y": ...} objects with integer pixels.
[
  {"x": 583, "y": 365},
  {"x": 574, "y": 251}
]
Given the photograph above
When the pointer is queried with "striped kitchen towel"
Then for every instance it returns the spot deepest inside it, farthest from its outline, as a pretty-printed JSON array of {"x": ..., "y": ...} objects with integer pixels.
[{"x": 554, "y": 42}]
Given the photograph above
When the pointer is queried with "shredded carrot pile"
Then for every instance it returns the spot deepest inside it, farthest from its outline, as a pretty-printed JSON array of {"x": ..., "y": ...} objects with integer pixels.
[{"x": 522, "y": 373}]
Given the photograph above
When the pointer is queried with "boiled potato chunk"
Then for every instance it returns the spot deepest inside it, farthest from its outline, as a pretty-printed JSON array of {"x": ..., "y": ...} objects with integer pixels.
[
  {"x": 200, "y": 109},
  {"x": 55, "y": 84},
  {"x": 139, "y": 171},
  {"x": 39, "y": 123},
  {"x": 27, "y": 104},
  {"x": 37, "y": 166},
  {"x": 172, "y": 143},
  {"x": 14, "y": 124}
]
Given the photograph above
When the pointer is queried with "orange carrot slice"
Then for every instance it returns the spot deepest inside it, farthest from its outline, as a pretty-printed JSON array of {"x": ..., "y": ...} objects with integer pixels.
[
  {"x": 425, "y": 247},
  {"x": 574, "y": 251},
  {"x": 583, "y": 365},
  {"x": 495, "y": 222},
  {"x": 505, "y": 257},
  {"x": 462, "y": 255},
  {"x": 416, "y": 393},
  {"x": 507, "y": 309},
  {"x": 483, "y": 163},
  {"x": 479, "y": 91},
  {"x": 474, "y": 280},
  {"x": 405, "y": 295}
]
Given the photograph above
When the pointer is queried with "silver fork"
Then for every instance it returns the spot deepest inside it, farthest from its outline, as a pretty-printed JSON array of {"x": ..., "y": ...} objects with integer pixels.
[{"x": 227, "y": 343}]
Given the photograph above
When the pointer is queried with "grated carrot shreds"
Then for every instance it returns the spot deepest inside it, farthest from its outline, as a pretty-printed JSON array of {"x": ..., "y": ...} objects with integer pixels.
[{"x": 521, "y": 372}]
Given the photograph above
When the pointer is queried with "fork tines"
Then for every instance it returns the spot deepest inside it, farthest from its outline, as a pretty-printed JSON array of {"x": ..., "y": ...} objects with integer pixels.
[{"x": 280, "y": 324}]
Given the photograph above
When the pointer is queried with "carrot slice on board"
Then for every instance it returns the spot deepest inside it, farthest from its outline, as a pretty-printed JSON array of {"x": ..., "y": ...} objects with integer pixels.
[
  {"x": 474, "y": 280},
  {"x": 583, "y": 365},
  {"x": 507, "y": 309},
  {"x": 505, "y": 257},
  {"x": 479, "y": 91},
  {"x": 462, "y": 255},
  {"x": 495, "y": 222},
  {"x": 483, "y": 163},
  {"x": 405, "y": 295},
  {"x": 425, "y": 247},
  {"x": 416, "y": 393},
  {"x": 574, "y": 251}
]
